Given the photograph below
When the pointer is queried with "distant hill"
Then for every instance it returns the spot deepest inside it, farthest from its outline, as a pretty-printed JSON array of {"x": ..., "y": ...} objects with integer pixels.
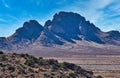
[
  {"x": 65, "y": 27},
  {"x": 27, "y": 66}
]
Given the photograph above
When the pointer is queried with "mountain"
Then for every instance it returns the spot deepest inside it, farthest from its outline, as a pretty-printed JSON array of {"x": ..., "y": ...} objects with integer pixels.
[
  {"x": 29, "y": 32},
  {"x": 5, "y": 44},
  {"x": 69, "y": 26},
  {"x": 23, "y": 36},
  {"x": 113, "y": 37},
  {"x": 65, "y": 27}
]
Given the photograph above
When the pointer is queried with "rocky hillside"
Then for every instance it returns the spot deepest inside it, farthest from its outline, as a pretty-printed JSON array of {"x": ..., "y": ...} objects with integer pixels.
[{"x": 27, "y": 66}]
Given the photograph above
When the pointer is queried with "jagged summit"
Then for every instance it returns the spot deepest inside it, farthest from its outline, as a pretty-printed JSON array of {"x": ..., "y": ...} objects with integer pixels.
[
  {"x": 30, "y": 31},
  {"x": 69, "y": 25},
  {"x": 65, "y": 27}
]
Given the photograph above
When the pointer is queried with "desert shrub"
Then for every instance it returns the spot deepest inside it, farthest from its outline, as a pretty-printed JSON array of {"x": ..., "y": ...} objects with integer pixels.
[
  {"x": 40, "y": 58},
  {"x": 24, "y": 55},
  {"x": 77, "y": 69},
  {"x": 41, "y": 61},
  {"x": 68, "y": 65},
  {"x": 70, "y": 75},
  {"x": 2, "y": 65},
  {"x": 21, "y": 70},
  {"x": 31, "y": 60},
  {"x": 12, "y": 76},
  {"x": 3, "y": 58},
  {"x": 55, "y": 67},
  {"x": 32, "y": 75},
  {"x": 30, "y": 63},
  {"x": 1, "y": 52},
  {"x": 15, "y": 54},
  {"x": 22, "y": 66},
  {"x": 1, "y": 77},
  {"x": 30, "y": 70},
  {"x": 90, "y": 72},
  {"x": 11, "y": 68},
  {"x": 46, "y": 76},
  {"x": 99, "y": 76},
  {"x": 52, "y": 61}
]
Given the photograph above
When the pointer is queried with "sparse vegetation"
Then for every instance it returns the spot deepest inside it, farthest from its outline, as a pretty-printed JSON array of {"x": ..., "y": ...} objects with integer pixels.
[
  {"x": 68, "y": 66},
  {"x": 1, "y": 52},
  {"x": 11, "y": 68},
  {"x": 70, "y": 74},
  {"x": 99, "y": 77},
  {"x": 27, "y": 66}
]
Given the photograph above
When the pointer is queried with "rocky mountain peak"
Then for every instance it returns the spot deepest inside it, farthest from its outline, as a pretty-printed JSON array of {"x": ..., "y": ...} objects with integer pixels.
[
  {"x": 30, "y": 31},
  {"x": 47, "y": 23},
  {"x": 65, "y": 27},
  {"x": 115, "y": 35},
  {"x": 69, "y": 26}
]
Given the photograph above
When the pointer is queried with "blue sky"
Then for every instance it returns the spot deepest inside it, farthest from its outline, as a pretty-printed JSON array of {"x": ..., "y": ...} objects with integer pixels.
[{"x": 105, "y": 14}]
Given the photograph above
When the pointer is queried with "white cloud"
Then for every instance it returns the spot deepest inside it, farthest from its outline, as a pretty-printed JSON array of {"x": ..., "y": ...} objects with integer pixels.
[
  {"x": 98, "y": 12},
  {"x": 100, "y": 4}
]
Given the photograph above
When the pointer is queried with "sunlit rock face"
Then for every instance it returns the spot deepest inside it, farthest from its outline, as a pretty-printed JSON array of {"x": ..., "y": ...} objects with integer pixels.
[
  {"x": 29, "y": 32},
  {"x": 65, "y": 27},
  {"x": 69, "y": 25}
]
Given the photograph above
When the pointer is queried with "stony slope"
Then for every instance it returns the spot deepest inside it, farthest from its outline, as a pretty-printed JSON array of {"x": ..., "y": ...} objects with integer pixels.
[{"x": 27, "y": 66}]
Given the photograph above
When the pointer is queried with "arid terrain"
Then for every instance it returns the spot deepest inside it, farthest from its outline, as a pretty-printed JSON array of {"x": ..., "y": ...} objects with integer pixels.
[
  {"x": 69, "y": 37},
  {"x": 14, "y": 65},
  {"x": 107, "y": 66},
  {"x": 103, "y": 60}
]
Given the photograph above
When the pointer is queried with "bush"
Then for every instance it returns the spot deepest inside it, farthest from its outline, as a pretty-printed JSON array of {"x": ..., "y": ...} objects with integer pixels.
[
  {"x": 70, "y": 75},
  {"x": 30, "y": 63},
  {"x": 1, "y": 52},
  {"x": 11, "y": 68},
  {"x": 21, "y": 70},
  {"x": 30, "y": 70},
  {"x": 40, "y": 58},
  {"x": 41, "y": 62},
  {"x": 1, "y": 77},
  {"x": 77, "y": 69},
  {"x": 2, "y": 65},
  {"x": 3, "y": 58},
  {"x": 68, "y": 65},
  {"x": 54, "y": 68},
  {"x": 14, "y": 53},
  {"x": 52, "y": 62},
  {"x": 99, "y": 76},
  {"x": 24, "y": 55}
]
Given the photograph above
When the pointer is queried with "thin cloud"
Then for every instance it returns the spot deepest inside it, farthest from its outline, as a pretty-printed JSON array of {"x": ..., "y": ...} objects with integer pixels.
[
  {"x": 2, "y": 20},
  {"x": 13, "y": 17},
  {"x": 5, "y": 4},
  {"x": 98, "y": 12}
]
